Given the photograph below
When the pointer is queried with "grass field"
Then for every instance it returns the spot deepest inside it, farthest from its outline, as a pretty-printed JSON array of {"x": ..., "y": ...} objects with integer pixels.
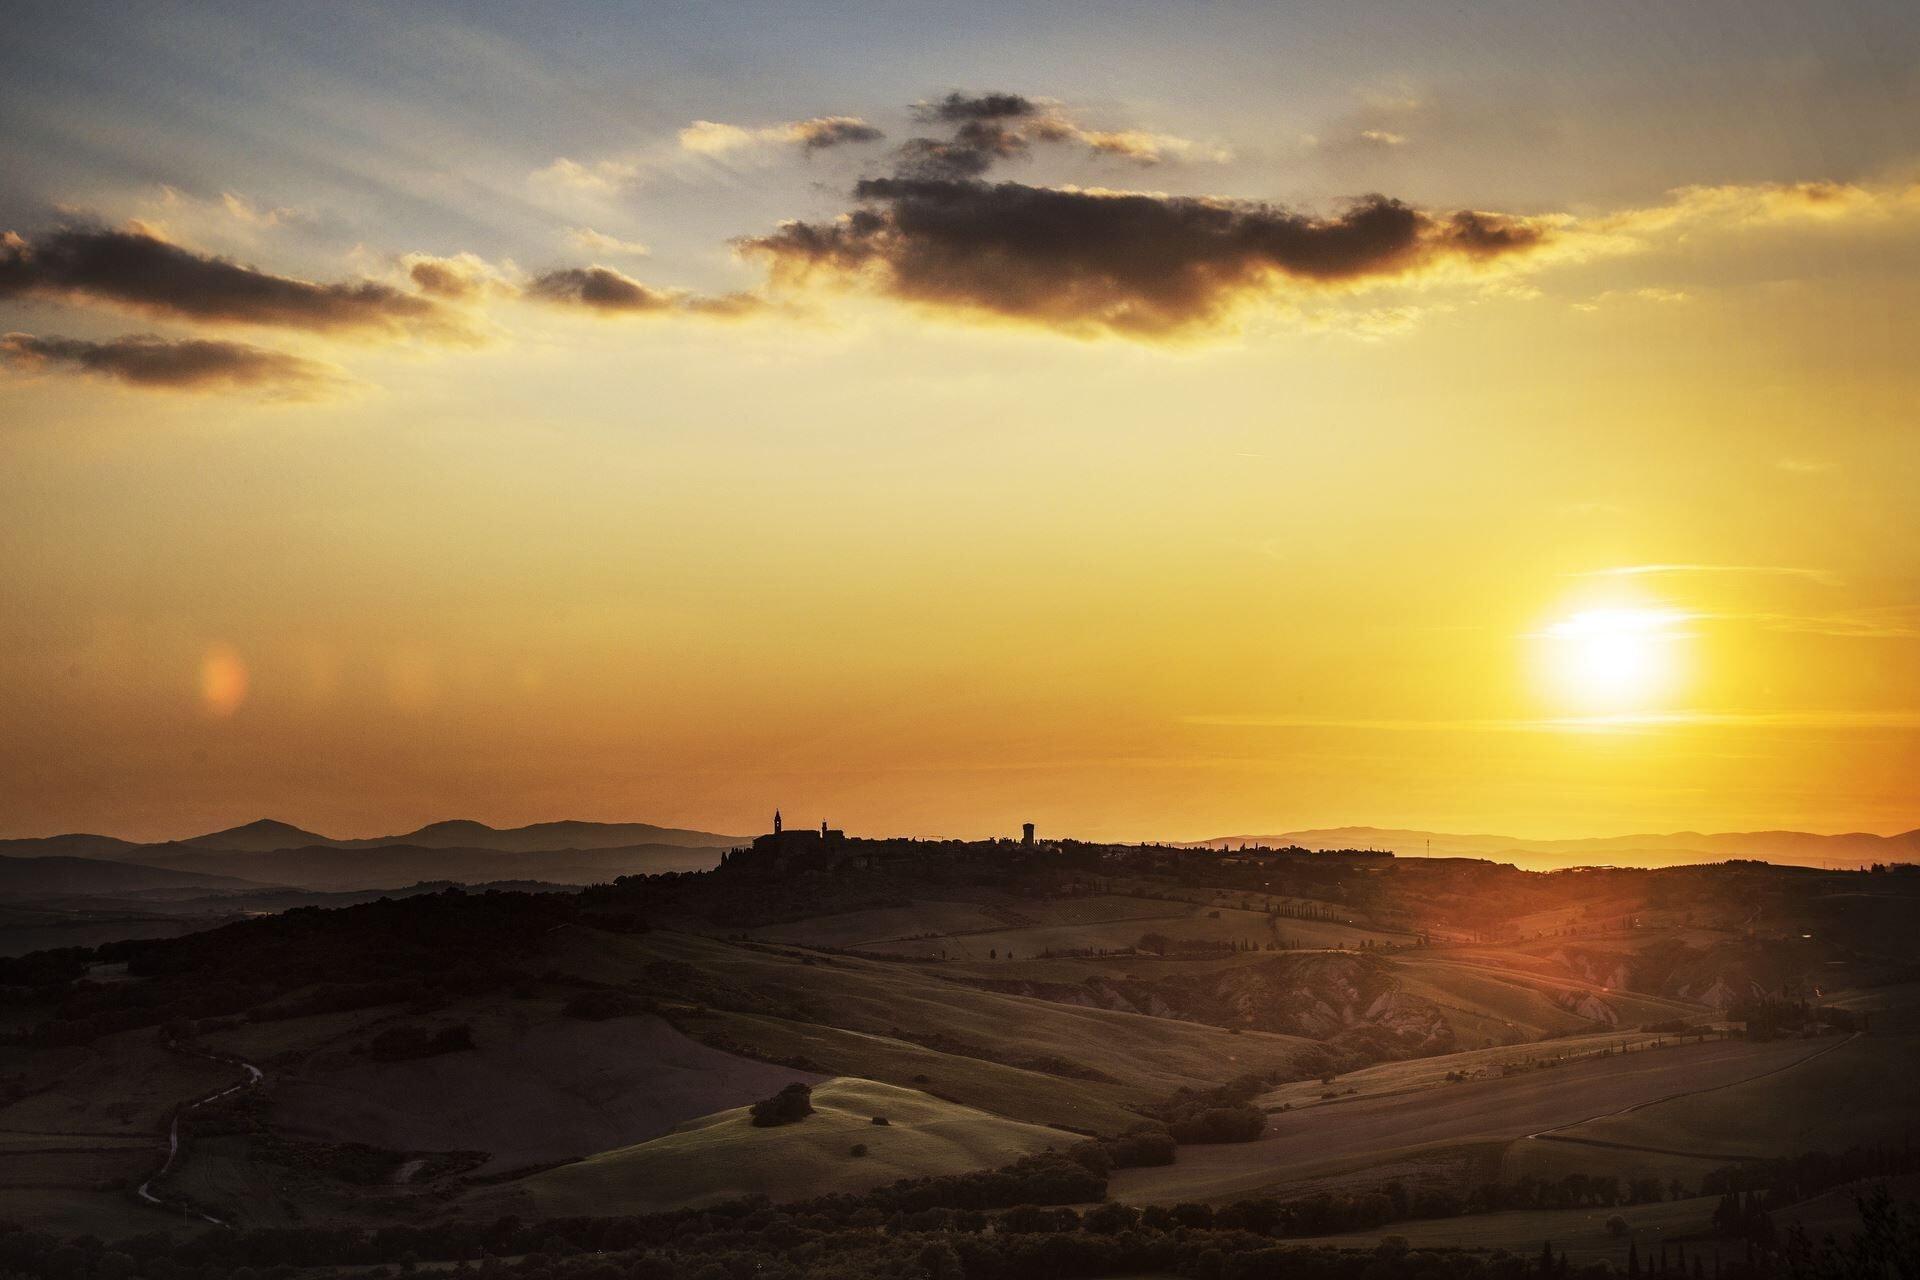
[
  {"x": 1893, "y": 1009},
  {"x": 537, "y": 1089},
  {"x": 724, "y": 1156},
  {"x": 1142, "y": 1057},
  {"x": 1854, "y": 1091},
  {"x": 1305, "y": 1144},
  {"x": 88, "y": 1124},
  {"x": 1176, "y": 921},
  {"x": 1497, "y": 997},
  {"x": 988, "y": 913},
  {"x": 1030, "y": 1096},
  {"x": 1427, "y": 1073}
]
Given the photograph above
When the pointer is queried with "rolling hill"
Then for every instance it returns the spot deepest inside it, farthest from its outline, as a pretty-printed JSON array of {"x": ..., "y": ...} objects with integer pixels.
[
  {"x": 396, "y": 866},
  {"x": 724, "y": 1156},
  {"x": 27, "y": 877},
  {"x": 1850, "y": 849}
]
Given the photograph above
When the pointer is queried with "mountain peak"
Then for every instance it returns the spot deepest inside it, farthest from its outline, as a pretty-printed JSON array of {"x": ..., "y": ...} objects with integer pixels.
[{"x": 262, "y": 835}]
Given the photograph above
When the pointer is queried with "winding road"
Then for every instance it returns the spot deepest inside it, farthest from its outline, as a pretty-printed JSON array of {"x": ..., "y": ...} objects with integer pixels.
[{"x": 254, "y": 1076}]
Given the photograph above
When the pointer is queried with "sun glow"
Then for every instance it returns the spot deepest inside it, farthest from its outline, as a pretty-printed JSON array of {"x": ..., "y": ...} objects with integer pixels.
[{"x": 1615, "y": 659}]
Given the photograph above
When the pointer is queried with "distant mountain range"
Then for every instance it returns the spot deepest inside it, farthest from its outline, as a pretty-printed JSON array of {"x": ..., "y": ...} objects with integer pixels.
[
  {"x": 1797, "y": 847},
  {"x": 271, "y": 853},
  {"x": 268, "y": 836}
]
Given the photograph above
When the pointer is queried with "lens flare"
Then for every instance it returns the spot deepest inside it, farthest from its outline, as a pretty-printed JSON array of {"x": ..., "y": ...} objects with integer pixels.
[{"x": 223, "y": 680}]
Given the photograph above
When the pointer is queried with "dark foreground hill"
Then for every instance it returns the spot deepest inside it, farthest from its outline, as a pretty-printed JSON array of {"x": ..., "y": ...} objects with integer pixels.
[{"x": 1267, "y": 1047}]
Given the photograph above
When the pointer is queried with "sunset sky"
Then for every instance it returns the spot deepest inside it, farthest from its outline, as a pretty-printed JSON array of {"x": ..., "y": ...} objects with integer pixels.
[{"x": 1146, "y": 420}]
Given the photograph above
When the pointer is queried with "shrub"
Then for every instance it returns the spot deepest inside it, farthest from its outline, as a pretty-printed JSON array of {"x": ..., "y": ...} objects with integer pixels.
[
  {"x": 1146, "y": 1149},
  {"x": 790, "y": 1104},
  {"x": 1240, "y": 1123},
  {"x": 1616, "y": 1225},
  {"x": 881, "y": 1120},
  {"x": 859, "y": 1149}
]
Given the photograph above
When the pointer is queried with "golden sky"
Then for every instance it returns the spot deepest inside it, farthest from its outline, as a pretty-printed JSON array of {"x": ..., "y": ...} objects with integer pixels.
[{"x": 1351, "y": 415}]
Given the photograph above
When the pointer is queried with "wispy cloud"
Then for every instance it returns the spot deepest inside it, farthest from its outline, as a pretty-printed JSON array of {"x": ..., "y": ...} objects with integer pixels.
[
  {"x": 597, "y": 177},
  {"x": 1636, "y": 722},
  {"x": 710, "y": 137},
  {"x": 599, "y": 242},
  {"x": 1821, "y": 576},
  {"x": 1894, "y": 622},
  {"x": 1806, "y": 466}
]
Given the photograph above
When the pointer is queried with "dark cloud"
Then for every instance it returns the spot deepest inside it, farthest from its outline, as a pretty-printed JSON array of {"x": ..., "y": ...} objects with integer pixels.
[
  {"x": 135, "y": 269},
  {"x": 982, "y": 135},
  {"x": 143, "y": 360},
  {"x": 1144, "y": 265},
  {"x": 833, "y": 131},
  {"x": 958, "y": 107},
  {"x": 598, "y": 289},
  {"x": 975, "y": 147},
  {"x": 441, "y": 279}
]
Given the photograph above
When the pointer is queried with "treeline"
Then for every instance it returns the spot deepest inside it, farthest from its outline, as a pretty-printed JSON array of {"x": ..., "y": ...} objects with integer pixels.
[
  {"x": 1574, "y": 1191},
  {"x": 1750, "y": 1193},
  {"x": 937, "y": 1228},
  {"x": 1769, "y": 1017}
]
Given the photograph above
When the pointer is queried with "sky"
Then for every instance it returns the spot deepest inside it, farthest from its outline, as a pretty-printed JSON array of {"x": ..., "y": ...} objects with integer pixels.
[{"x": 1145, "y": 420}]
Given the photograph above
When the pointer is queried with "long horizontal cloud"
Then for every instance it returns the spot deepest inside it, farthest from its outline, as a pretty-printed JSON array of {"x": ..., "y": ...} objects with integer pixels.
[
  {"x": 149, "y": 362},
  {"x": 815, "y": 134},
  {"x": 1089, "y": 262},
  {"x": 609, "y": 292},
  {"x": 139, "y": 271}
]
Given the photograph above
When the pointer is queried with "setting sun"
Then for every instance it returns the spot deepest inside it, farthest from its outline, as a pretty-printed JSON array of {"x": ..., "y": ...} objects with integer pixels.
[{"x": 1615, "y": 659}]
